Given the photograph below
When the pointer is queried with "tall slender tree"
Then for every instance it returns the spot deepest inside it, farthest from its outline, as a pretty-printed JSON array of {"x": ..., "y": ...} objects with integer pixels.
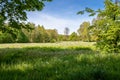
[{"x": 66, "y": 33}]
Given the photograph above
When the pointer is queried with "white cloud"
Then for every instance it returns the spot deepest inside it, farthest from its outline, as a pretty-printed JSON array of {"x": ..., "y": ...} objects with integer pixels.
[{"x": 52, "y": 22}]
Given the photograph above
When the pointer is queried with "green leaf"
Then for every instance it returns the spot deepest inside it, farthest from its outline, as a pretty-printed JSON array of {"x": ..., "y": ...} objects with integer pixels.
[
  {"x": 81, "y": 12},
  {"x": 89, "y": 10}
]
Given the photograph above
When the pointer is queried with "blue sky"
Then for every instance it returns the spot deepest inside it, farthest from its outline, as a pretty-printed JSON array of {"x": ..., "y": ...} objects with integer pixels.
[{"x": 59, "y": 14}]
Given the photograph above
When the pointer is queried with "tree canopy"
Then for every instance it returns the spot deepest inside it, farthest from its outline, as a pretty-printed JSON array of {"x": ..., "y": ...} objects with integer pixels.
[
  {"x": 107, "y": 26},
  {"x": 84, "y": 32},
  {"x": 13, "y": 12}
]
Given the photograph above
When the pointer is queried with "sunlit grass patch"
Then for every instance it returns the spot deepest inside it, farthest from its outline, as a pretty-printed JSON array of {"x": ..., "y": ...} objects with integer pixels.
[
  {"x": 22, "y": 66},
  {"x": 57, "y": 44}
]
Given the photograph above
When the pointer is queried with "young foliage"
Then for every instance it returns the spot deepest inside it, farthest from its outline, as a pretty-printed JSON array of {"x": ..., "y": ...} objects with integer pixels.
[
  {"x": 109, "y": 37},
  {"x": 107, "y": 27}
]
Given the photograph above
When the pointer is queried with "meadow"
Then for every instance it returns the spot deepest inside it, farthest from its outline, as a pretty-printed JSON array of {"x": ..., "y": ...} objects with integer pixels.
[{"x": 57, "y": 61}]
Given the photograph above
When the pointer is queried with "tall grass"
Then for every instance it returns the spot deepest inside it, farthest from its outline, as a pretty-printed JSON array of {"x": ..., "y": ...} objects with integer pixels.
[{"x": 57, "y": 62}]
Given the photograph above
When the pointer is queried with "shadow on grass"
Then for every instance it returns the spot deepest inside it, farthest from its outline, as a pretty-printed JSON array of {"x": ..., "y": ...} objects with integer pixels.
[
  {"x": 48, "y": 63},
  {"x": 9, "y": 55}
]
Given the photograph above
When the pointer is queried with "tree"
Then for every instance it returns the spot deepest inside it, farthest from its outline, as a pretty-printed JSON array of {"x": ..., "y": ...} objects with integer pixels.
[
  {"x": 84, "y": 31},
  {"x": 14, "y": 13},
  {"x": 6, "y": 38},
  {"x": 109, "y": 37},
  {"x": 66, "y": 33},
  {"x": 53, "y": 35},
  {"x": 28, "y": 32},
  {"x": 109, "y": 27},
  {"x": 39, "y": 34},
  {"x": 95, "y": 28},
  {"x": 22, "y": 38},
  {"x": 73, "y": 37}
]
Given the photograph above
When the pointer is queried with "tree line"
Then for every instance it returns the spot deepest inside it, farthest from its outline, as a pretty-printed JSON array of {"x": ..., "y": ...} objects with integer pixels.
[{"x": 36, "y": 34}]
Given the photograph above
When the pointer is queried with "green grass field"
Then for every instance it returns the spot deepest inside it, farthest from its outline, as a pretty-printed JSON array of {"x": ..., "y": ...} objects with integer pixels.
[{"x": 57, "y": 61}]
